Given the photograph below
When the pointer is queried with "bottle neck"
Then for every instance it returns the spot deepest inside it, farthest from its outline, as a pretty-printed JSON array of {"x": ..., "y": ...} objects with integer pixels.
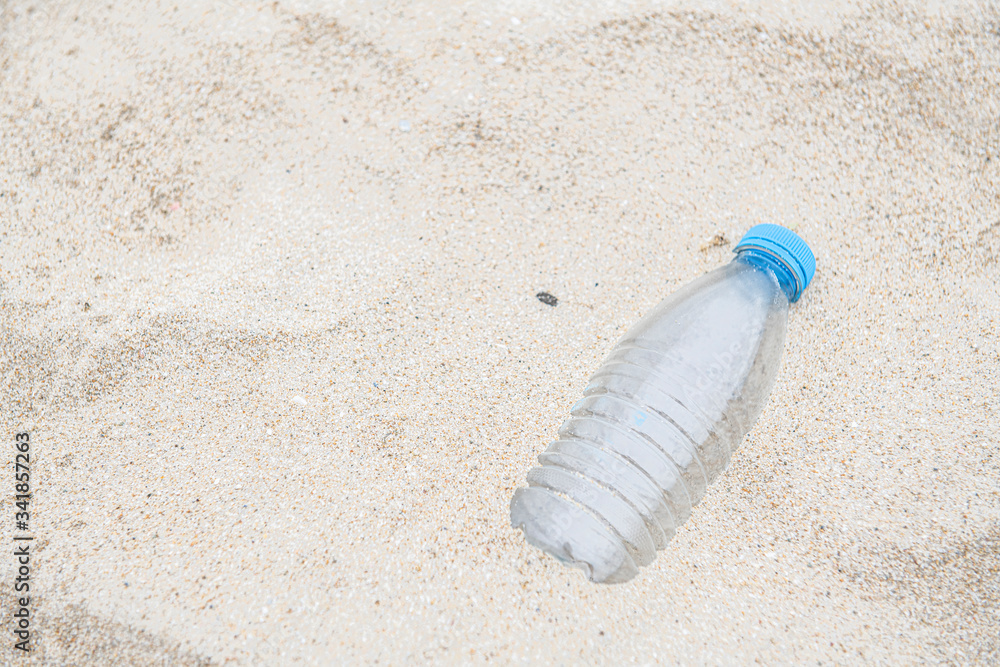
[{"x": 768, "y": 262}]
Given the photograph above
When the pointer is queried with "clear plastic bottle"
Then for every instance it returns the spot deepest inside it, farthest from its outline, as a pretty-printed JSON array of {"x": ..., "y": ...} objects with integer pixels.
[{"x": 663, "y": 415}]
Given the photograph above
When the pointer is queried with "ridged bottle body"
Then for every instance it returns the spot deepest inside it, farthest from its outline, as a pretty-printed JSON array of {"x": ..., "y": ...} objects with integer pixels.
[{"x": 658, "y": 422}]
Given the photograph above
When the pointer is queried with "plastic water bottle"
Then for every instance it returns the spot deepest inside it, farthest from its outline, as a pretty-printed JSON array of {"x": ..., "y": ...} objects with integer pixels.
[{"x": 661, "y": 418}]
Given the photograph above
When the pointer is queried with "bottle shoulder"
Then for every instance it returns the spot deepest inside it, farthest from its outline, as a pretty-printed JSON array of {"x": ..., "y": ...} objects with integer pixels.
[{"x": 735, "y": 294}]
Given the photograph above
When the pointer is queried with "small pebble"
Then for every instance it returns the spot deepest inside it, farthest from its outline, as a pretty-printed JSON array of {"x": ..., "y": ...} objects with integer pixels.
[{"x": 547, "y": 298}]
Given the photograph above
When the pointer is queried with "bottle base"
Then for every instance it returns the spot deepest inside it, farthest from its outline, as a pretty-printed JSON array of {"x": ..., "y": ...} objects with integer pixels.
[{"x": 570, "y": 534}]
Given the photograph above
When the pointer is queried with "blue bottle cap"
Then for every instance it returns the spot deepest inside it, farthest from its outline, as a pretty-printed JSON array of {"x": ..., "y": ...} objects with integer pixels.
[{"x": 787, "y": 247}]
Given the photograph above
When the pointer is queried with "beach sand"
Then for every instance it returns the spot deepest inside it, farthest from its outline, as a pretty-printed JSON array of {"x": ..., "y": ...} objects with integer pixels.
[{"x": 267, "y": 308}]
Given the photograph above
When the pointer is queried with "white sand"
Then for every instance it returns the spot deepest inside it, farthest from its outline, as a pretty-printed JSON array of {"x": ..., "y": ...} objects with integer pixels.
[{"x": 208, "y": 211}]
